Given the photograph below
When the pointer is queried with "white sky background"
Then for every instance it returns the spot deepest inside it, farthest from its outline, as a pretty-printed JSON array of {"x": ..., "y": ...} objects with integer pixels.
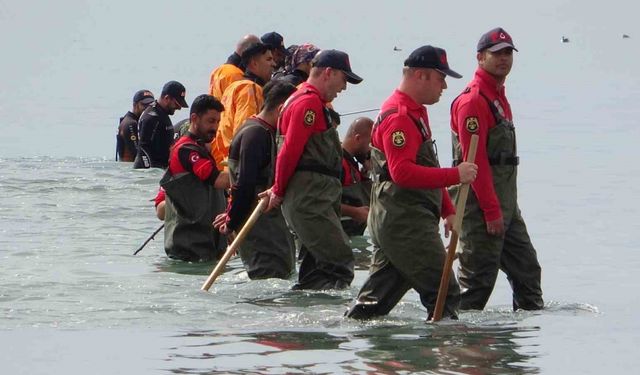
[{"x": 69, "y": 68}]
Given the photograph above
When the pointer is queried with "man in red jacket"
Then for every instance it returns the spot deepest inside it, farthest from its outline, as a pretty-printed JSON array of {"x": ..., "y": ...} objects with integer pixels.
[
  {"x": 308, "y": 170},
  {"x": 193, "y": 188},
  {"x": 494, "y": 235},
  {"x": 409, "y": 195}
]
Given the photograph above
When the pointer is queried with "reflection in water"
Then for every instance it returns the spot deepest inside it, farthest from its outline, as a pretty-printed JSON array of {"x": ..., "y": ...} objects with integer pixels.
[{"x": 450, "y": 347}]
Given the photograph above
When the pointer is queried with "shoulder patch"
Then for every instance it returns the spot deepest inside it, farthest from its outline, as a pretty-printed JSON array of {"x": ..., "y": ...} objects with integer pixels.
[
  {"x": 398, "y": 138},
  {"x": 472, "y": 124},
  {"x": 194, "y": 157},
  {"x": 309, "y": 117}
]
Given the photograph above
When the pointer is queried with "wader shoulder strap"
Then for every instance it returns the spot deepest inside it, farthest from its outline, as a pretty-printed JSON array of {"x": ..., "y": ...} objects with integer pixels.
[{"x": 402, "y": 110}]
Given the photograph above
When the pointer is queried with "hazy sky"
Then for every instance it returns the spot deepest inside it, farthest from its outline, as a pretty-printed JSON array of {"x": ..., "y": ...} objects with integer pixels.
[{"x": 70, "y": 68}]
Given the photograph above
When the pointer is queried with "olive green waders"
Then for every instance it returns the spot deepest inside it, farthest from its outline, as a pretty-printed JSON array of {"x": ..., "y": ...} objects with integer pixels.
[
  {"x": 268, "y": 250},
  {"x": 482, "y": 254},
  {"x": 311, "y": 208},
  {"x": 191, "y": 205},
  {"x": 407, "y": 249}
]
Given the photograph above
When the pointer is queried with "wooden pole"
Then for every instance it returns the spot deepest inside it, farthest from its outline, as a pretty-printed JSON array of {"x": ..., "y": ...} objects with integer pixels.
[
  {"x": 231, "y": 249},
  {"x": 453, "y": 244}
]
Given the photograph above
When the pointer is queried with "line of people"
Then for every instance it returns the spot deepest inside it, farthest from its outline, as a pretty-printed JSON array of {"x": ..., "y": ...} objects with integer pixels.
[{"x": 267, "y": 129}]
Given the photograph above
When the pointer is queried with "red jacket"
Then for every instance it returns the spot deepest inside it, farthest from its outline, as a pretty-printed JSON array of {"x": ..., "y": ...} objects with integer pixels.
[
  {"x": 471, "y": 104},
  {"x": 296, "y": 132},
  {"x": 401, "y": 159}
]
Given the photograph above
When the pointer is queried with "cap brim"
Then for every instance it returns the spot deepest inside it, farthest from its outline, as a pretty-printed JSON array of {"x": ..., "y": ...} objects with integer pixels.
[
  {"x": 500, "y": 46},
  {"x": 182, "y": 102},
  {"x": 352, "y": 78},
  {"x": 147, "y": 101},
  {"x": 450, "y": 73}
]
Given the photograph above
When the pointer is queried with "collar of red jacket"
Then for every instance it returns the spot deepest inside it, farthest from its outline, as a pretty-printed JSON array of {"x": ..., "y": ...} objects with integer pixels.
[
  {"x": 408, "y": 101},
  {"x": 488, "y": 84}
]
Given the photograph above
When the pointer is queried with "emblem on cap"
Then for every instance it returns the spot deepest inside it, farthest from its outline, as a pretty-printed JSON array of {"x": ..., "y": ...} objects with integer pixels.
[
  {"x": 398, "y": 138},
  {"x": 309, "y": 117},
  {"x": 472, "y": 124}
]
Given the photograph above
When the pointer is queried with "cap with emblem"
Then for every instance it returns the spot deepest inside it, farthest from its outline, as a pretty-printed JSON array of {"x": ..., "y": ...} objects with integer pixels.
[
  {"x": 143, "y": 96},
  {"x": 177, "y": 91},
  {"x": 331, "y": 58},
  {"x": 432, "y": 58},
  {"x": 495, "y": 40},
  {"x": 273, "y": 40}
]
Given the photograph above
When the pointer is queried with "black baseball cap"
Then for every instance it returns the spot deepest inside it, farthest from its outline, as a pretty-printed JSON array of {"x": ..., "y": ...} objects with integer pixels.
[
  {"x": 495, "y": 40},
  {"x": 253, "y": 50},
  {"x": 331, "y": 58},
  {"x": 432, "y": 58},
  {"x": 274, "y": 41},
  {"x": 144, "y": 96},
  {"x": 177, "y": 91}
]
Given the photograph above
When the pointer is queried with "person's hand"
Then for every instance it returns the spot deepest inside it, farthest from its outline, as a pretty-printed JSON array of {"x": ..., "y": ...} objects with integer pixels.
[
  {"x": 448, "y": 224},
  {"x": 219, "y": 221},
  {"x": 230, "y": 234},
  {"x": 468, "y": 172},
  {"x": 361, "y": 214},
  {"x": 274, "y": 201},
  {"x": 496, "y": 227}
]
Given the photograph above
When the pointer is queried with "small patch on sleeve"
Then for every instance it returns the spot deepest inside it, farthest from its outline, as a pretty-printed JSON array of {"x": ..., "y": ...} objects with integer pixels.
[
  {"x": 472, "y": 124},
  {"x": 398, "y": 138},
  {"x": 309, "y": 117}
]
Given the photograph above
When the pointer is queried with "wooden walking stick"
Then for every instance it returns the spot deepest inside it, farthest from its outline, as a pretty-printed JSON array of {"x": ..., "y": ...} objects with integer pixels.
[
  {"x": 231, "y": 249},
  {"x": 453, "y": 244}
]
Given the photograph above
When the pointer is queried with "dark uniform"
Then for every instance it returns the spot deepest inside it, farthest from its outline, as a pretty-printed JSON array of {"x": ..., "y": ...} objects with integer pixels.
[
  {"x": 407, "y": 201},
  {"x": 127, "y": 137},
  {"x": 192, "y": 203},
  {"x": 356, "y": 192},
  {"x": 295, "y": 78},
  {"x": 268, "y": 250},
  {"x": 484, "y": 110},
  {"x": 156, "y": 136},
  {"x": 308, "y": 173}
]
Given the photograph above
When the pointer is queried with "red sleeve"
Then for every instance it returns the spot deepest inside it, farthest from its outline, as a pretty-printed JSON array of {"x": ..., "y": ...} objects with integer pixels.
[
  {"x": 160, "y": 196},
  {"x": 346, "y": 173},
  {"x": 483, "y": 185},
  {"x": 297, "y": 132},
  {"x": 201, "y": 166},
  {"x": 400, "y": 141},
  {"x": 447, "y": 206}
]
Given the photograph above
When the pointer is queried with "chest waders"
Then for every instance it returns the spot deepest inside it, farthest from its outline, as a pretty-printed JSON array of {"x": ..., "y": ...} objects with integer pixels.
[
  {"x": 357, "y": 194},
  {"x": 191, "y": 206},
  {"x": 482, "y": 254},
  {"x": 268, "y": 250},
  {"x": 311, "y": 208},
  {"x": 407, "y": 249}
]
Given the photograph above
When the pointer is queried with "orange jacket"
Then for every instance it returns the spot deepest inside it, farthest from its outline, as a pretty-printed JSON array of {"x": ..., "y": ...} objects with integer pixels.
[
  {"x": 221, "y": 77},
  {"x": 241, "y": 100}
]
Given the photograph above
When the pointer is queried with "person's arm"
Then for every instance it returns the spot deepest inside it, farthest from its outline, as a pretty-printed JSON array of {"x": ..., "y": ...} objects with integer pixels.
[
  {"x": 160, "y": 203},
  {"x": 358, "y": 214},
  {"x": 298, "y": 130},
  {"x": 147, "y": 129},
  {"x": 254, "y": 147},
  {"x": 401, "y": 141},
  {"x": 201, "y": 166},
  {"x": 472, "y": 118}
]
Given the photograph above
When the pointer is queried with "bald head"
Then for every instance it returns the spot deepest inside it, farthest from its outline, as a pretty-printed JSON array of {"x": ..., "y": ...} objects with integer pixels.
[
  {"x": 358, "y": 137},
  {"x": 361, "y": 125},
  {"x": 245, "y": 42}
]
